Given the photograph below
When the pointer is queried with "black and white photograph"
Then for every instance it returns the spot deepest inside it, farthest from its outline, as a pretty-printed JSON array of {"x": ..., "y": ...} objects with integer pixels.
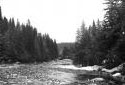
[{"x": 62, "y": 42}]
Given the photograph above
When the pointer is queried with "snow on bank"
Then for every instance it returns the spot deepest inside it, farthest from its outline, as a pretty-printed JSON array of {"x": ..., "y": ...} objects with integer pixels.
[{"x": 88, "y": 68}]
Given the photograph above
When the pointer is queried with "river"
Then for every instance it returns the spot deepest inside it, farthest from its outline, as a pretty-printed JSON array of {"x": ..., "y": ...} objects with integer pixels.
[{"x": 60, "y": 72}]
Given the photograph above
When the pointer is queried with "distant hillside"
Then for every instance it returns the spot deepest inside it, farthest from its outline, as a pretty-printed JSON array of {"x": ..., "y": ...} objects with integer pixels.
[{"x": 62, "y": 45}]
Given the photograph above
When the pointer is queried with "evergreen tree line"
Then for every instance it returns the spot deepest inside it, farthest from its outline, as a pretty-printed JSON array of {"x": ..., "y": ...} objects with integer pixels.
[
  {"x": 67, "y": 53},
  {"x": 66, "y": 50},
  {"x": 22, "y": 43},
  {"x": 103, "y": 43}
]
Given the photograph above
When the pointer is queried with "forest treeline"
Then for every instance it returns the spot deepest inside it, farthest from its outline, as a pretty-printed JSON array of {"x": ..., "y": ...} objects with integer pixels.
[
  {"x": 103, "y": 42},
  {"x": 22, "y": 43},
  {"x": 66, "y": 50}
]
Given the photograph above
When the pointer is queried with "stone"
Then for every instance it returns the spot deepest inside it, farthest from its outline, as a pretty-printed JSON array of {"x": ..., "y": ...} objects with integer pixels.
[{"x": 98, "y": 79}]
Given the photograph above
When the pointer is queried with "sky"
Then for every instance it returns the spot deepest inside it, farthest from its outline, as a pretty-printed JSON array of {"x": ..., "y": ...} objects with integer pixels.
[{"x": 59, "y": 18}]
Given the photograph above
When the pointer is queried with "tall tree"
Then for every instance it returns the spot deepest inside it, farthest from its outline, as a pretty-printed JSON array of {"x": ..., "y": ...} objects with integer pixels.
[{"x": 0, "y": 14}]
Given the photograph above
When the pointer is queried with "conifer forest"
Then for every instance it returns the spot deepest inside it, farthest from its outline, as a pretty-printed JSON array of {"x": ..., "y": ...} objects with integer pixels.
[{"x": 96, "y": 57}]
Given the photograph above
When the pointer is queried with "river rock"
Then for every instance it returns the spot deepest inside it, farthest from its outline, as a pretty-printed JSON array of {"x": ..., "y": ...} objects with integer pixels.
[{"x": 98, "y": 79}]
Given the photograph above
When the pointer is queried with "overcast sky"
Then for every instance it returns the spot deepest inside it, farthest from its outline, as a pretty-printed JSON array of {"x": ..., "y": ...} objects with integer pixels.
[{"x": 59, "y": 18}]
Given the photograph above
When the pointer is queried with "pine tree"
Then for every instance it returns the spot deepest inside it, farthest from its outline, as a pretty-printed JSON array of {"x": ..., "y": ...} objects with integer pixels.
[
  {"x": 113, "y": 32},
  {"x": 1, "y": 47},
  {"x": 0, "y": 14}
]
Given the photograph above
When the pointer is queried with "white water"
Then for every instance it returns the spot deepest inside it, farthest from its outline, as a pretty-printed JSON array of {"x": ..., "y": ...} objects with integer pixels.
[
  {"x": 88, "y": 68},
  {"x": 67, "y": 64}
]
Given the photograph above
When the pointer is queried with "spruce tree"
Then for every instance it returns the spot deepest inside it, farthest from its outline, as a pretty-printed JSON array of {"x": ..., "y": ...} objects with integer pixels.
[{"x": 0, "y": 14}]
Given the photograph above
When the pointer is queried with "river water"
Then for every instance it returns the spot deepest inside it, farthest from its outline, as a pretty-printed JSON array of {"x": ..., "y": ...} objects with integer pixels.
[{"x": 67, "y": 74}]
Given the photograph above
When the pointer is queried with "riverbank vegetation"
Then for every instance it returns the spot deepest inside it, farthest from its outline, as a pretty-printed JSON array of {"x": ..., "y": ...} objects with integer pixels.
[{"x": 103, "y": 42}]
